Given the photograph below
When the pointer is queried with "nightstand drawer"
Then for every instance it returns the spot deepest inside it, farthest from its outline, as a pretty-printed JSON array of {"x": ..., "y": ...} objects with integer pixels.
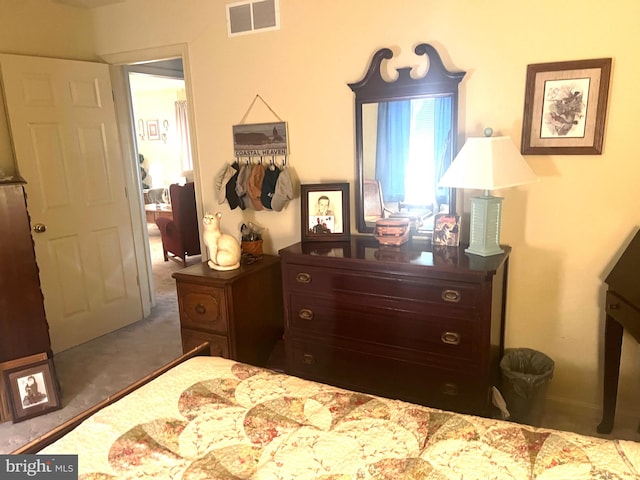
[
  {"x": 202, "y": 307},
  {"x": 193, "y": 338},
  {"x": 311, "y": 280}
]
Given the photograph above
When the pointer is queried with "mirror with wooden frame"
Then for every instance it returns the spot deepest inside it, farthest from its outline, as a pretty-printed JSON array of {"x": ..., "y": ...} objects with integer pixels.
[{"x": 406, "y": 138}]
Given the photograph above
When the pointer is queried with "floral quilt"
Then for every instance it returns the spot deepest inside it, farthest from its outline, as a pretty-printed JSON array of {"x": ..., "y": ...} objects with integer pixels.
[{"x": 212, "y": 418}]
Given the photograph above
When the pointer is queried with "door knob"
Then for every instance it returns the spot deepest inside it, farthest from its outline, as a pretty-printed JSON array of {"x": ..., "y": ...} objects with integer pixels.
[{"x": 39, "y": 228}]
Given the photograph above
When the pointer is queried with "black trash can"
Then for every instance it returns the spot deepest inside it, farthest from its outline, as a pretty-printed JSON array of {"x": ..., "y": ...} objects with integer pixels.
[{"x": 526, "y": 373}]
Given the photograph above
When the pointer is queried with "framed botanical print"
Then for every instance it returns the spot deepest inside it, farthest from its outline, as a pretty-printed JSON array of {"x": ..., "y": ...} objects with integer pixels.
[
  {"x": 565, "y": 107},
  {"x": 325, "y": 212}
]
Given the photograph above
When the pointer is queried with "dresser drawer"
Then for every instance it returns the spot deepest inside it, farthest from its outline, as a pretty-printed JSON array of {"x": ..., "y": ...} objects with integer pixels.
[
  {"x": 202, "y": 307},
  {"x": 311, "y": 280},
  {"x": 624, "y": 313},
  {"x": 393, "y": 378},
  {"x": 420, "y": 330}
]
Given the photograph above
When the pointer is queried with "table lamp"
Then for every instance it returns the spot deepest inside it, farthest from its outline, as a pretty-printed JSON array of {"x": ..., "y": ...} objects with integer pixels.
[{"x": 487, "y": 163}]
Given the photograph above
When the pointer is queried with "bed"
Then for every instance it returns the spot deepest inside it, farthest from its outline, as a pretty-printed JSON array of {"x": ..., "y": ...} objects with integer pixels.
[{"x": 205, "y": 417}]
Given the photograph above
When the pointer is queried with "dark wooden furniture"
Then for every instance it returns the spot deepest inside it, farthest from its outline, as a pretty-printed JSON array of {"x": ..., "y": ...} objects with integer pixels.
[
  {"x": 622, "y": 310},
  {"x": 420, "y": 324},
  {"x": 373, "y": 93},
  {"x": 23, "y": 325},
  {"x": 239, "y": 312},
  {"x": 24, "y": 331},
  {"x": 180, "y": 232}
]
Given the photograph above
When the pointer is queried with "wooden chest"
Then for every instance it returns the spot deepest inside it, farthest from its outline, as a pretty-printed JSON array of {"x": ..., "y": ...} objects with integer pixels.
[{"x": 403, "y": 322}]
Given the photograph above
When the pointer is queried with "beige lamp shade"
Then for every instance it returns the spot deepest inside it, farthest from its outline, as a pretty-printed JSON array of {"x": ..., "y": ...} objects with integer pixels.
[{"x": 488, "y": 163}]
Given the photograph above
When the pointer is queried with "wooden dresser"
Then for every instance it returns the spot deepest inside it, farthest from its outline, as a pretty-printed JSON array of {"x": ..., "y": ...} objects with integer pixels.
[
  {"x": 24, "y": 329},
  {"x": 239, "y": 312},
  {"x": 409, "y": 322}
]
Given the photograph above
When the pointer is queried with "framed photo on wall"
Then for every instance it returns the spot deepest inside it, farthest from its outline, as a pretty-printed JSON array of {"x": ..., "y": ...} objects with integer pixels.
[
  {"x": 325, "y": 212},
  {"x": 153, "y": 129},
  {"x": 32, "y": 390},
  {"x": 565, "y": 107}
]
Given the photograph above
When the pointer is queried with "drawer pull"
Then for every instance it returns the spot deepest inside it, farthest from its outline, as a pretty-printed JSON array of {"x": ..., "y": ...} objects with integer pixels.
[
  {"x": 201, "y": 309},
  {"x": 308, "y": 359},
  {"x": 449, "y": 389},
  {"x": 450, "y": 338},
  {"x": 303, "y": 277},
  {"x": 452, "y": 296},
  {"x": 614, "y": 306},
  {"x": 305, "y": 314}
]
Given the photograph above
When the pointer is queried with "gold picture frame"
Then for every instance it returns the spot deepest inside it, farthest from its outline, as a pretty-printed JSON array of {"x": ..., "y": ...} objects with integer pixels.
[{"x": 565, "y": 107}]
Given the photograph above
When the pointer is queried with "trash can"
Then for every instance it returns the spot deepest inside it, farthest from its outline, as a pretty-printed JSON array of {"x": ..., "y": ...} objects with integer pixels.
[{"x": 526, "y": 373}]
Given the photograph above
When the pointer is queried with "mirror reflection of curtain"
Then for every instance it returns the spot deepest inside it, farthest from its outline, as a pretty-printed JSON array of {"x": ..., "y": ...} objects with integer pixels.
[
  {"x": 441, "y": 145},
  {"x": 413, "y": 143},
  {"x": 182, "y": 126},
  {"x": 394, "y": 130}
]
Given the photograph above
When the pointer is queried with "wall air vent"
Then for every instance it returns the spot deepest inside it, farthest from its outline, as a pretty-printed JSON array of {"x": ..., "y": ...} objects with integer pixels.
[{"x": 251, "y": 16}]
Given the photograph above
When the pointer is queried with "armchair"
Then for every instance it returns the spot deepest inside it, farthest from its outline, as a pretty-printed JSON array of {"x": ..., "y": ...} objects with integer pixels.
[{"x": 180, "y": 235}]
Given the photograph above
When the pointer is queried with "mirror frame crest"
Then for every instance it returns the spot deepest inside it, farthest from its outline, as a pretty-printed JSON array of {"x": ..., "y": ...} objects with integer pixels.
[{"x": 438, "y": 81}]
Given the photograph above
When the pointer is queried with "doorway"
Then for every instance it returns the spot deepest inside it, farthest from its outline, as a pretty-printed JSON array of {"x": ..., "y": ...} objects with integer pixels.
[
  {"x": 155, "y": 65},
  {"x": 159, "y": 110}
]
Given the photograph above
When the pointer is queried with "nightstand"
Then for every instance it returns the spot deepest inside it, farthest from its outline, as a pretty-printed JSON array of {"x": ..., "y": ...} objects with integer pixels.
[{"x": 239, "y": 312}]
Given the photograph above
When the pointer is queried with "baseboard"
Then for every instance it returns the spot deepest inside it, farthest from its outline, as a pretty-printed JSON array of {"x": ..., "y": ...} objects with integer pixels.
[{"x": 583, "y": 418}]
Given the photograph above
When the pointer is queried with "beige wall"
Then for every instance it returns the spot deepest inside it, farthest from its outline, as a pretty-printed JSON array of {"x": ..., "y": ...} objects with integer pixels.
[
  {"x": 566, "y": 231},
  {"x": 41, "y": 28},
  {"x": 160, "y": 156}
]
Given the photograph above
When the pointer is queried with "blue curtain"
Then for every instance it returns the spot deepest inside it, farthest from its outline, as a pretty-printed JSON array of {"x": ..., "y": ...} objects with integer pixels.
[
  {"x": 392, "y": 148},
  {"x": 441, "y": 144}
]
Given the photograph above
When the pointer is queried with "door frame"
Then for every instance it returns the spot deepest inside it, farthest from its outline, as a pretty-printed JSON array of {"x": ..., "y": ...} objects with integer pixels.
[{"x": 126, "y": 123}]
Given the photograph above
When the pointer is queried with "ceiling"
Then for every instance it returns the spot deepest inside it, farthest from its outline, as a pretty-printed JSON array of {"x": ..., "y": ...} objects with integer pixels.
[{"x": 88, "y": 3}]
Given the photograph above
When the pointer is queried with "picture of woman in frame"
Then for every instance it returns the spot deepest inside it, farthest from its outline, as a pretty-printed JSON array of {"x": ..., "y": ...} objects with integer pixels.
[{"x": 30, "y": 390}]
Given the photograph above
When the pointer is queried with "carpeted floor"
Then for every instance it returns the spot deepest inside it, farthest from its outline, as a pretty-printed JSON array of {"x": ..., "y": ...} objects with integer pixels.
[{"x": 94, "y": 370}]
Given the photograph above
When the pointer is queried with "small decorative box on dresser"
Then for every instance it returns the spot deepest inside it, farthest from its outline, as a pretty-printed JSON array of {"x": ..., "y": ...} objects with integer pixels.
[
  {"x": 419, "y": 323},
  {"x": 239, "y": 312}
]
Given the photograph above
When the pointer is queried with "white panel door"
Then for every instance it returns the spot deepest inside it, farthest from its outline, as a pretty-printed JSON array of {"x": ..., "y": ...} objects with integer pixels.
[{"x": 63, "y": 127}]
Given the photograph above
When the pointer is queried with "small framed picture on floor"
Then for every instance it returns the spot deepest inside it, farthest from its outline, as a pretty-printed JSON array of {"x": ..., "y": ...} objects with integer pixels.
[{"x": 32, "y": 390}]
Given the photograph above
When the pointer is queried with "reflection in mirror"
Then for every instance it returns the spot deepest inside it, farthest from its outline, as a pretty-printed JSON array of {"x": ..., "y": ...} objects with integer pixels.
[{"x": 405, "y": 138}]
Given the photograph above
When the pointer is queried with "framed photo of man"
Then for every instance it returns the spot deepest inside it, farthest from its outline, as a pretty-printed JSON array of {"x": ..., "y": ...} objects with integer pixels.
[{"x": 325, "y": 212}]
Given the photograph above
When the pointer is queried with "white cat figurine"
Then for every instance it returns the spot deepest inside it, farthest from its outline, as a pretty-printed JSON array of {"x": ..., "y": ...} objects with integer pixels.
[{"x": 224, "y": 249}]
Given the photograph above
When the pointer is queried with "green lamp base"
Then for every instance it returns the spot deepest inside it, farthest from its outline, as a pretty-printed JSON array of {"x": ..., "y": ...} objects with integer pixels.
[{"x": 484, "y": 235}]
